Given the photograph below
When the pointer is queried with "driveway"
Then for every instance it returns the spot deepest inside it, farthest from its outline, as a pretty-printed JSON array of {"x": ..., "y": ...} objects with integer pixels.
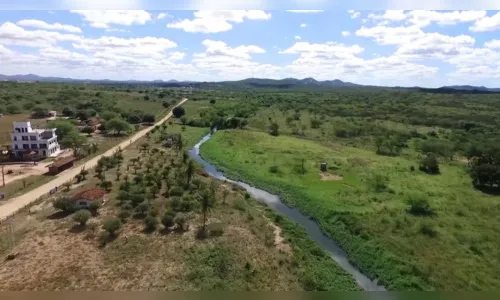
[{"x": 17, "y": 203}]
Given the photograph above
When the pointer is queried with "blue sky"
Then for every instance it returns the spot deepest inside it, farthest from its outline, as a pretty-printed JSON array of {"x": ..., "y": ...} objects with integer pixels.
[{"x": 385, "y": 47}]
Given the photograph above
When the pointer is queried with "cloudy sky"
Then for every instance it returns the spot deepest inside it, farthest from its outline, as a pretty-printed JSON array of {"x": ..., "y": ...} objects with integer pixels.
[{"x": 390, "y": 47}]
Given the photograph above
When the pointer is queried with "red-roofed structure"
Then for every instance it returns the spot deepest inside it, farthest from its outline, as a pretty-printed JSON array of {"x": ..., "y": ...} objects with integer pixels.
[{"x": 84, "y": 198}]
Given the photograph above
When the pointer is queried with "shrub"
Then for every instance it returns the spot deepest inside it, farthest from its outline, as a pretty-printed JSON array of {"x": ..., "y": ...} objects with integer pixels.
[
  {"x": 215, "y": 229},
  {"x": 180, "y": 220},
  {"x": 378, "y": 183},
  {"x": 104, "y": 238},
  {"x": 167, "y": 220},
  {"x": 274, "y": 169},
  {"x": 428, "y": 230},
  {"x": 112, "y": 225},
  {"x": 212, "y": 101},
  {"x": 81, "y": 217},
  {"x": 65, "y": 204},
  {"x": 141, "y": 210},
  {"x": 94, "y": 207},
  {"x": 419, "y": 205},
  {"x": 124, "y": 215},
  {"x": 176, "y": 191},
  {"x": 429, "y": 165},
  {"x": 151, "y": 223}
]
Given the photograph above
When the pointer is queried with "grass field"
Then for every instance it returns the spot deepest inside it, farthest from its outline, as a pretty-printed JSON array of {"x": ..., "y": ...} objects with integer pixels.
[{"x": 364, "y": 205}]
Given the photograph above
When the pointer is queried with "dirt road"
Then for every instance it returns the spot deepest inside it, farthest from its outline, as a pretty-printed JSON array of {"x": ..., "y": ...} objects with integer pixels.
[{"x": 15, "y": 204}]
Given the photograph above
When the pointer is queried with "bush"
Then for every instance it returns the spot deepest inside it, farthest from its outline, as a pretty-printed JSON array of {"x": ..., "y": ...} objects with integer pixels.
[
  {"x": 104, "y": 238},
  {"x": 81, "y": 217},
  {"x": 428, "y": 230},
  {"x": 378, "y": 183},
  {"x": 151, "y": 223},
  {"x": 429, "y": 165},
  {"x": 124, "y": 215},
  {"x": 112, "y": 225},
  {"x": 167, "y": 220},
  {"x": 94, "y": 207},
  {"x": 67, "y": 205},
  {"x": 419, "y": 205},
  {"x": 180, "y": 220},
  {"x": 212, "y": 101},
  {"x": 141, "y": 210},
  {"x": 176, "y": 191},
  {"x": 274, "y": 169},
  {"x": 215, "y": 229}
]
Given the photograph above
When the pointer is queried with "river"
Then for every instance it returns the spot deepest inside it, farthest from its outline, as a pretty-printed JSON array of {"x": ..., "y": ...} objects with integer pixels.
[{"x": 313, "y": 230}]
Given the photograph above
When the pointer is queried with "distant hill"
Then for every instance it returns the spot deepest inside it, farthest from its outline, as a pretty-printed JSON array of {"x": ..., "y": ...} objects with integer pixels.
[
  {"x": 287, "y": 83},
  {"x": 471, "y": 88}
]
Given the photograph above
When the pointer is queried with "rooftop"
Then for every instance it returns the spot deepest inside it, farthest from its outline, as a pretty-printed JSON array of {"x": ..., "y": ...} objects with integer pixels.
[
  {"x": 62, "y": 161},
  {"x": 90, "y": 194}
]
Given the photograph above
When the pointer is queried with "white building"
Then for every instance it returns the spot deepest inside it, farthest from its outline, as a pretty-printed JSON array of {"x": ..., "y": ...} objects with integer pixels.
[{"x": 41, "y": 141}]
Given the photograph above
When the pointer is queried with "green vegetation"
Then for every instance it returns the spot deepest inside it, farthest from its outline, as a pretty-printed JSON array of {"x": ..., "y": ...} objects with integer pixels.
[{"x": 409, "y": 189}]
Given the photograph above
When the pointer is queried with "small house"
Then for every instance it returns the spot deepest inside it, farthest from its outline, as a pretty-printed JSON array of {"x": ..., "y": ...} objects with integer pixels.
[
  {"x": 61, "y": 165},
  {"x": 85, "y": 198}
]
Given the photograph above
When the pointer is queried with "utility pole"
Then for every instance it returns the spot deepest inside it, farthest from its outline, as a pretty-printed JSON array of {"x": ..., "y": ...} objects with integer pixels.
[{"x": 3, "y": 177}]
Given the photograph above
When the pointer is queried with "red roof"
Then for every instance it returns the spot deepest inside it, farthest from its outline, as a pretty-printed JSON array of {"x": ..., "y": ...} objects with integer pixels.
[{"x": 91, "y": 195}]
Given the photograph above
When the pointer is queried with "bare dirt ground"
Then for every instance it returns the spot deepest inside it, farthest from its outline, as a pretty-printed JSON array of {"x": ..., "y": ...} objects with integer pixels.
[
  {"x": 20, "y": 171},
  {"x": 325, "y": 176}
]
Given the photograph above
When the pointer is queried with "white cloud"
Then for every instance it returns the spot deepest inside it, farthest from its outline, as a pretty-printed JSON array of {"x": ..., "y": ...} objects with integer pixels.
[
  {"x": 162, "y": 16},
  {"x": 487, "y": 23},
  {"x": 116, "y": 30},
  {"x": 493, "y": 44},
  {"x": 436, "y": 45},
  {"x": 384, "y": 35},
  {"x": 221, "y": 49},
  {"x": 11, "y": 34},
  {"x": 389, "y": 16},
  {"x": 135, "y": 47},
  {"x": 44, "y": 25},
  {"x": 305, "y": 11},
  {"x": 354, "y": 14},
  {"x": 345, "y": 33},
  {"x": 297, "y": 37},
  {"x": 424, "y": 18},
  {"x": 103, "y": 18},
  {"x": 303, "y": 25},
  {"x": 218, "y": 21}
]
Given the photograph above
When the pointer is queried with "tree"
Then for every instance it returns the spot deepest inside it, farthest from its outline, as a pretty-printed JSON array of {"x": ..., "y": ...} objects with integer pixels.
[
  {"x": 68, "y": 112},
  {"x": 73, "y": 140},
  {"x": 63, "y": 128},
  {"x": 67, "y": 185},
  {"x": 429, "y": 165},
  {"x": 108, "y": 115},
  {"x": 106, "y": 184},
  {"x": 379, "y": 142},
  {"x": 81, "y": 217},
  {"x": 151, "y": 223},
  {"x": 118, "y": 125},
  {"x": 13, "y": 109},
  {"x": 94, "y": 207},
  {"x": 274, "y": 129},
  {"x": 65, "y": 204},
  {"x": 165, "y": 104},
  {"x": 178, "y": 112},
  {"x": 189, "y": 171},
  {"x": 148, "y": 118},
  {"x": 212, "y": 101},
  {"x": 206, "y": 203},
  {"x": 146, "y": 98},
  {"x": 84, "y": 173},
  {"x": 39, "y": 112},
  {"x": 167, "y": 220},
  {"x": 315, "y": 123},
  {"x": 112, "y": 225},
  {"x": 82, "y": 115}
]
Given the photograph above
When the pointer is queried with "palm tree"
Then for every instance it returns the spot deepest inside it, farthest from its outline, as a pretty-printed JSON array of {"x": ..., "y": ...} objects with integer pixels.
[
  {"x": 205, "y": 206},
  {"x": 189, "y": 172}
]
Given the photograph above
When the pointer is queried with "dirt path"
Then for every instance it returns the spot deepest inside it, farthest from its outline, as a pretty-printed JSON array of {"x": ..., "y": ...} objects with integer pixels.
[{"x": 17, "y": 203}]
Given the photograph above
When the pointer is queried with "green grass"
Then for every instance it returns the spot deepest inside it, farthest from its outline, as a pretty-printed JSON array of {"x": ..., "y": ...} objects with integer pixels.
[{"x": 374, "y": 227}]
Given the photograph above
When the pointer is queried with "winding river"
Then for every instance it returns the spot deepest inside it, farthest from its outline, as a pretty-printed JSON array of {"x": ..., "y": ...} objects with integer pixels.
[{"x": 312, "y": 228}]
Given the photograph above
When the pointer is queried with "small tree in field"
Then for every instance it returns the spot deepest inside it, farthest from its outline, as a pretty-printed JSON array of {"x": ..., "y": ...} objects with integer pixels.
[
  {"x": 81, "y": 217},
  {"x": 274, "y": 129},
  {"x": 178, "y": 112},
  {"x": 112, "y": 225},
  {"x": 65, "y": 204},
  {"x": 167, "y": 220},
  {"x": 429, "y": 165}
]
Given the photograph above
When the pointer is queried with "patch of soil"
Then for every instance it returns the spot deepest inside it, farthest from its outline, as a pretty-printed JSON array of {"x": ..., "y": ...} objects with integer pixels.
[
  {"x": 279, "y": 241},
  {"x": 325, "y": 176}
]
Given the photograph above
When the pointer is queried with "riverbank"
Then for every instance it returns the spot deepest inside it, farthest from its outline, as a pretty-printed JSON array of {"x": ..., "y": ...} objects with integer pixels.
[{"x": 405, "y": 252}]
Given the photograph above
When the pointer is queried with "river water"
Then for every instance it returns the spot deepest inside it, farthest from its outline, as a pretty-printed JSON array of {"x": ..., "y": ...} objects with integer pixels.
[{"x": 313, "y": 230}]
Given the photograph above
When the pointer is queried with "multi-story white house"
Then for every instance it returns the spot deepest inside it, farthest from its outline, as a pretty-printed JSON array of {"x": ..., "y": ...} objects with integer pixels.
[{"x": 41, "y": 141}]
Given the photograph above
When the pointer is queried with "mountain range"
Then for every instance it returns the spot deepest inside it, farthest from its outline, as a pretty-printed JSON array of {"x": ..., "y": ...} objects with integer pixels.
[{"x": 249, "y": 82}]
